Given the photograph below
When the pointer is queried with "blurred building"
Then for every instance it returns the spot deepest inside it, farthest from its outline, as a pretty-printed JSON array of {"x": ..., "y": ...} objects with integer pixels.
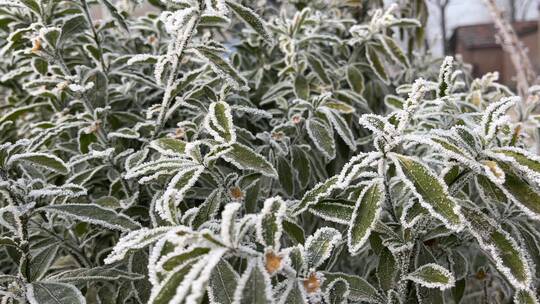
[{"x": 478, "y": 46}]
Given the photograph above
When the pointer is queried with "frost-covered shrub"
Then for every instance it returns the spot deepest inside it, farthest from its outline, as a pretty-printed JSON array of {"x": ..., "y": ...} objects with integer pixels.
[{"x": 225, "y": 151}]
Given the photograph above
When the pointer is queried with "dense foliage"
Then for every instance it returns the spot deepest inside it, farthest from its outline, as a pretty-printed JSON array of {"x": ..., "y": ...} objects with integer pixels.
[{"x": 227, "y": 151}]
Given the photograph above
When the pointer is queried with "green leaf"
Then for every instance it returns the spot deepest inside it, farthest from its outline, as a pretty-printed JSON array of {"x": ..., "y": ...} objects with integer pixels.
[
  {"x": 524, "y": 161},
  {"x": 53, "y": 293},
  {"x": 490, "y": 190},
  {"x": 294, "y": 294},
  {"x": 319, "y": 246},
  {"x": 94, "y": 214},
  {"x": 394, "y": 101},
  {"x": 394, "y": 50},
  {"x": 386, "y": 269},
  {"x": 169, "y": 146},
  {"x": 208, "y": 210},
  {"x": 341, "y": 126},
  {"x": 172, "y": 261},
  {"x": 359, "y": 288},
  {"x": 41, "y": 261},
  {"x": 521, "y": 193},
  {"x": 49, "y": 161},
  {"x": 318, "y": 68},
  {"x": 366, "y": 213},
  {"x": 245, "y": 158},
  {"x": 115, "y": 14},
  {"x": 322, "y": 136},
  {"x": 100, "y": 273},
  {"x": 176, "y": 190},
  {"x": 285, "y": 173},
  {"x": 491, "y": 118},
  {"x": 525, "y": 296},
  {"x": 376, "y": 64},
  {"x": 254, "y": 286},
  {"x": 355, "y": 79},
  {"x": 219, "y": 122},
  {"x": 269, "y": 227},
  {"x": 431, "y": 192},
  {"x": 222, "y": 65},
  {"x": 510, "y": 258},
  {"x": 17, "y": 112},
  {"x": 337, "y": 292},
  {"x": 333, "y": 210},
  {"x": 223, "y": 283},
  {"x": 251, "y": 18},
  {"x": 311, "y": 197},
  {"x": 301, "y": 87},
  {"x": 167, "y": 288},
  {"x": 295, "y": 231},
  {"x": 300, "y": 163},
  {"x": 32, "y": 5},
  {"x": 432, "y": 276}
]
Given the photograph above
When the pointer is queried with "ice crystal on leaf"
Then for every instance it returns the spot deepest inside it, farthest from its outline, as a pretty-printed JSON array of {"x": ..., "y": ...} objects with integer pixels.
[{"x": 229, "y": 151}]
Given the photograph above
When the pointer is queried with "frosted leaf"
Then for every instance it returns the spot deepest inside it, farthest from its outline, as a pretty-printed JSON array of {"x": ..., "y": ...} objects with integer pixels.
[
  {"x": 254, "y": 286},
  {"x": 322, "y": 137},
  {"x": 221, "y": 66},
  {"x": 353, "y": 169},
  {"x": 219, "y": 122},
  {"x": 377, "y": 124},
  {"x": 525, "y": 296},
  {"x": 138, "y": 239},
  {"x": 168, "y": 146},
  {"x": 252, "y": 111},
  {"x": 53, "y": 292},
  {"x": 377, "y": 66},
  {"x": 228, "y": 220},
  {"x": 251, "y": 18},
  {"x": 269, "y": 224},
  {"x": 176, "y": 189},
  {"x": 337, "y": 292},
  {"x": 430, "y": 190},
  {"x": 68, "y": 190},
  {"x": 526, "y": 162},
  {"x": 359, "y": 288},
  {"x": 142, "y": 58},
  {"x": 245, "y": 158},
  {"x": 187, "y": 283},
  {"x": 151, "y": 167},
  {"x": 14, "y": 73},
  {"x": 418, "y": 90},
  {"x": 49, "y": 161},
  {"x": 100, "y": 273},
  {"x": 319, "y": 246},
  {"x": 294, "y": 293},
  {"x": 412, "y": 213},
  {"x": 509, "y": 257},
  {"x": 79, "y": 88},
  {"x": 365, "y": 215},
  {"x": 432, "y": 276},
  {"x": 445, "y": 85},
  {"x": 494, "y": 116},
  {"x": 94, "y": 214},
  {"x": 341, "y": 127},
  {"x": 320, "y": 190},
  {"x": 223, "y": 282},
  {"x": 333, "y": 210}
]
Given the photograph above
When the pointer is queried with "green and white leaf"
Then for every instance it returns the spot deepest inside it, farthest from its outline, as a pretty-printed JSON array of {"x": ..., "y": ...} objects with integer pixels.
[
  {"x": 365, "y": 215},
  {"x": 432, "y": 276},
  {"x": 94, "y": 214},
  {"x": 431, "y": 192}
]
